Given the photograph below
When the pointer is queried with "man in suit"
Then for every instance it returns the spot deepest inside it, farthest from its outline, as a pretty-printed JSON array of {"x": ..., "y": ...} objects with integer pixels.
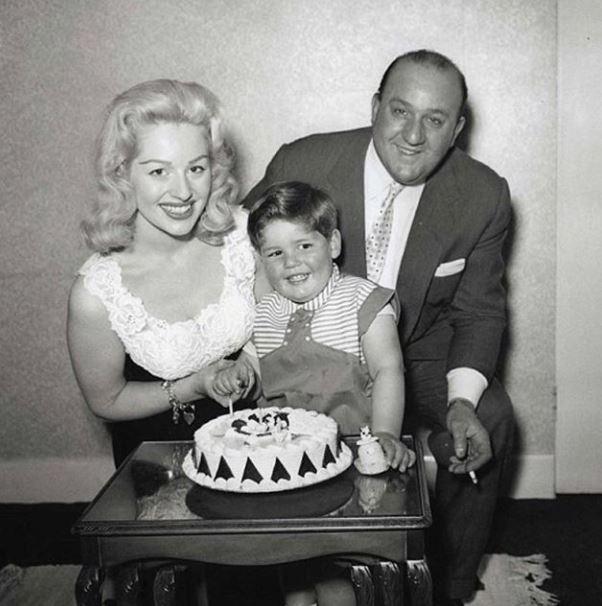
[{"x": 439, "y": 243}]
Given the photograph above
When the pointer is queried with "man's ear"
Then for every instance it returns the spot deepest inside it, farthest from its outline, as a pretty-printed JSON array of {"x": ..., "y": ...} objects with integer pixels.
[
  {"x": 458, "y": 128},
  {"x": 375, "y": 106},
  {"x": 335, "y": 244}
]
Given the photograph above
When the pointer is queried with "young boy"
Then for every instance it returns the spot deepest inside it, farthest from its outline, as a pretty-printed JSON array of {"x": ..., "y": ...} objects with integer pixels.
[{"x": 325, "y": 341}]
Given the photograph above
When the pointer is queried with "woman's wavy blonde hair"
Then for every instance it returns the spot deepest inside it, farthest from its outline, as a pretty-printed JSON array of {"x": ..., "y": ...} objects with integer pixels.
[{"x": 110, "y": 225}]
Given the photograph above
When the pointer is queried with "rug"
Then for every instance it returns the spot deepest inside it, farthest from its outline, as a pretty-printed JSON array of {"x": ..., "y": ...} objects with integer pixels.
[
  {"x": 513, "y": 581},
  {"x": 38, "y": 585},
  {"x": 508, "y": 580}
]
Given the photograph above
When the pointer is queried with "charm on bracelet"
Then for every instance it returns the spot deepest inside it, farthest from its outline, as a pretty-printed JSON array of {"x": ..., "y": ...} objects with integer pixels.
[{"x": 179, "y": 409}]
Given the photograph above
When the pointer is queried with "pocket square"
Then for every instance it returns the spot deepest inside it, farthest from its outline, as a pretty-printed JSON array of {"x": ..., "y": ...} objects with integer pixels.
[{"x": 450, "y": 268}]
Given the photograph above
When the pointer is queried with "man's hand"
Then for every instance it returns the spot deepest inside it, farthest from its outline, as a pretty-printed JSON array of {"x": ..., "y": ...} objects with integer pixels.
[{"x": 472, "y": 446}]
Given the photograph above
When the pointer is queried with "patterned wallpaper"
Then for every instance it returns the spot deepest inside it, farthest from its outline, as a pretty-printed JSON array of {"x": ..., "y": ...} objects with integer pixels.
[{"x": 282, "y": 69}]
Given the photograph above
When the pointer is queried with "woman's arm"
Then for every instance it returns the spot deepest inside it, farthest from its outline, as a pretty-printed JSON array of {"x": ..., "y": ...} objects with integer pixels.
[
  {"x": 98, "y": 357},
  {"x": 383, "y": 355}
]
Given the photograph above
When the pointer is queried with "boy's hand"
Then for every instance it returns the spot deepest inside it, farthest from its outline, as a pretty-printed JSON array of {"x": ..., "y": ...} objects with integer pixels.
[
  {"x": 398, "y": 455},
  {"x": 234, "y": 382}
]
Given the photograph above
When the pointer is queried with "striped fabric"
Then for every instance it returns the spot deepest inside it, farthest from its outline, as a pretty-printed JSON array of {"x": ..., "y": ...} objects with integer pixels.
[{"x": 333, "y": 317}]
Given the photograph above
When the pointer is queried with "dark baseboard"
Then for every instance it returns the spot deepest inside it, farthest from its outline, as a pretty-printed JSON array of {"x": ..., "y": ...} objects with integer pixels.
[{"x": 38, "y": 534}]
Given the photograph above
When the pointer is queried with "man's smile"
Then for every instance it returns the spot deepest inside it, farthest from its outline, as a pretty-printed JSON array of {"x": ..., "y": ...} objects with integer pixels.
[{"x": 404, "y": 151}]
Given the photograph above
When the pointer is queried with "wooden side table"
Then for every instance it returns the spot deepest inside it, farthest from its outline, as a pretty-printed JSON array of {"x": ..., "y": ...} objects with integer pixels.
[{"x": 150, "y": 511}]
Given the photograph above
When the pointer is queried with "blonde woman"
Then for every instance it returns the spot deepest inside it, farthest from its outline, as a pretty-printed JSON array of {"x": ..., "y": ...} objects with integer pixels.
[{"x": 167, "y": 296}]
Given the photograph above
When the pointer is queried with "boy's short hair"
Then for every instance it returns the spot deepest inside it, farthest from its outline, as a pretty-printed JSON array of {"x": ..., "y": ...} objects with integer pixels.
[{"x": 292, "y": 201}]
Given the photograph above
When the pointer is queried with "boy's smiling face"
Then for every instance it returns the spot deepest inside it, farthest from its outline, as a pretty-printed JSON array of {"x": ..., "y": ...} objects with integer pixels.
[{"x": 298, "y": 260}]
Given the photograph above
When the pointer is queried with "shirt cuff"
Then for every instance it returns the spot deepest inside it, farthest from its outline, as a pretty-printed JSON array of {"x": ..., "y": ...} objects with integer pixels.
[{"x": 466, "y": 383}]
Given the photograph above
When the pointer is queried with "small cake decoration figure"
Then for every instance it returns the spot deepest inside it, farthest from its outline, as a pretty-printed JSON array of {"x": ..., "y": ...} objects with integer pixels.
[{"x": 371, "y": 458}]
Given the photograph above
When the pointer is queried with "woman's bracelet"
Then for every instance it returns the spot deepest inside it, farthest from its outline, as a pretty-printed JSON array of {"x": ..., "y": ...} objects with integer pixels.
[{"x": 185, "y": 409}]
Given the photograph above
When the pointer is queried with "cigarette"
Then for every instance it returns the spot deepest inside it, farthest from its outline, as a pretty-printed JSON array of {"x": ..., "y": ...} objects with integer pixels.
[
  {"x": 473, "y": 477},
  {"x": 232, "y": 412}
]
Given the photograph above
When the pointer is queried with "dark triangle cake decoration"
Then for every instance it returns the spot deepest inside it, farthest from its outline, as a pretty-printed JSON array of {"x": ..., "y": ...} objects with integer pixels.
[
  {"x": 328, "y": 457},
  {"x": 203, "y": 466},
  {"x": 279, "y": 472},
  {"x": 306, "y": 466},
  {"x": 250, "y": 472},
  {"x": 223, "y": 470}
]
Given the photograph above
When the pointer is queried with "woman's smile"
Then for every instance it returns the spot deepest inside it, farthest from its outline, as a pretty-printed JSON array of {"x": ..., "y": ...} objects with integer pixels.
[{"x": 178, "y": 211}]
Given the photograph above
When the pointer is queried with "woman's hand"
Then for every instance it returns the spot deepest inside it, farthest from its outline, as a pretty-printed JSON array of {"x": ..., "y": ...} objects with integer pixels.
[
  {"x": 201, "y": 383},
  {"x": 398, "y": 455}
]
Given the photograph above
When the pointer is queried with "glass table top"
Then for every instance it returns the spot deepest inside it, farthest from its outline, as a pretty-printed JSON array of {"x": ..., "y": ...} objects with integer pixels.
[{"x": 150, "y": 490}]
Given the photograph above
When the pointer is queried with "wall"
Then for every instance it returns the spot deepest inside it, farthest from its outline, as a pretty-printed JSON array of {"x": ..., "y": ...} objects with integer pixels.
[
  {"x": 579, "y": 286},
  {"x": 282, "y": 69}
]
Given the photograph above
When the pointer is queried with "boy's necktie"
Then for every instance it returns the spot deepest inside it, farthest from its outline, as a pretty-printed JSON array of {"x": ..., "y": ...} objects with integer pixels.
[{"x": 378, "y": 240}]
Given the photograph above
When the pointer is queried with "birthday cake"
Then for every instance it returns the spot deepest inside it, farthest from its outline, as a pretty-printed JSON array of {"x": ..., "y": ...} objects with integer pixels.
[{"x": 267, "y": 450}]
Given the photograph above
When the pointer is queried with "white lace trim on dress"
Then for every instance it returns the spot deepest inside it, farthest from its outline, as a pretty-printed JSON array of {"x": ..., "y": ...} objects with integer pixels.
[{"x": 177, "y": 349}]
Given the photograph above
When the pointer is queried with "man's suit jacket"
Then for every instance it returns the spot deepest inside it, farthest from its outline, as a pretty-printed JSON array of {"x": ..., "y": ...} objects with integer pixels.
[{"x": 447, "y": 311}]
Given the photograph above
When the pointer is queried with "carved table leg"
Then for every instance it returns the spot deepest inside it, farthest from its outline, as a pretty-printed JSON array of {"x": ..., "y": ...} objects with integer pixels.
[
  {"x": 164, "y": 586},
  {"x": 361, "y": 579},
  {"x": 88, "y": 587},
  {"x": 420, "y": 583},
  {"x": 388, "y": 583},
  {"x": 199, "y": 585},
  {"x": 127, "y": 585}
]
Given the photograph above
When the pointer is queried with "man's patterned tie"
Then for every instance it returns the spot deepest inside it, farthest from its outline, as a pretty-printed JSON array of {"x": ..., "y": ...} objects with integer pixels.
[{"x": 378, "y": 240}]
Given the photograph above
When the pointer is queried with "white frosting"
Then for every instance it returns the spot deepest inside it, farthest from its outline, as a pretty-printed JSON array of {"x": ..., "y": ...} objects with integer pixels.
[{"x": 267, "y": 438}]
